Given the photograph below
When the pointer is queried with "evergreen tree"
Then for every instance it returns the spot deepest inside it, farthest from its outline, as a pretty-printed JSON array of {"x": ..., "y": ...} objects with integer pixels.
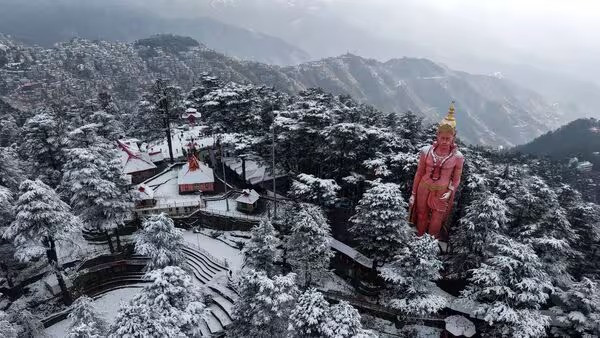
[
  {"x": 94, "y": 183},
  {"x": 307, "y": 247},
  {"x": 311, "y": 189},
  {"x": 485, "y": 217},
  {"x": 7, "y": 329},
  {"x": 310, "y": 315},
  {"x": 261, "y": 250},
  {"x": 85, "y": 321},
  {"x": 539, "y": 219},
  {"x": 380, "y": 224},
  {"x": 410, "y": 126},
  {"x": 161, "y": 241},
  {"x": 160, "y": 106},
  {"x": 579, "y": 311},
  {"x": 27, "y": 324},
  {"x": 109, "y": 128},
  {"x": 411, "y": 274},
  {"x": 42, "y": 147},
  {"x": 264, "y": 306},
  {"x": 170, "y": 306},
  {"x": 510, "y": 286},
  {"x": 11, "y": 172},
  {"x": 344, "y": 322},
  {"x": 41, "y": 219}
]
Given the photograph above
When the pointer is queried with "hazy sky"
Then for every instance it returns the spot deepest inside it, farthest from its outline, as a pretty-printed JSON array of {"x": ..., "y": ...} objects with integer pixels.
[{"x": 547, "y": 33}]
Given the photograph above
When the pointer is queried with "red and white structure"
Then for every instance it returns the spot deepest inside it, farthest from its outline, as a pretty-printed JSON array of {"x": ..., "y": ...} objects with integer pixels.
[
  {"x": 195, "y": 176},
  {"x": 136, "y": 164},
  {"x": 191, "y": 115}
]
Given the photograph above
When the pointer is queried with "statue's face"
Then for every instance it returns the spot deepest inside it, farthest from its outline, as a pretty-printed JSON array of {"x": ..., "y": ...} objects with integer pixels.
[{"x": 445, "y": 139}]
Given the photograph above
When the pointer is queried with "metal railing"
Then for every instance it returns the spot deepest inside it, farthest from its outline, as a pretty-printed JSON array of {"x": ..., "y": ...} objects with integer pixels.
[{"x": 223, "y": 263}]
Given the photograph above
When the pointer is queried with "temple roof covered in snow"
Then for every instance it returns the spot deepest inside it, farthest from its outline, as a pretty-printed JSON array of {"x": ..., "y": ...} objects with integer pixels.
[
  {"x": 132, "y": 159},
  {"x": 255, "y": 172},
  {"x": 248, "y": 196},
  {"x": 195, "y": 172}
]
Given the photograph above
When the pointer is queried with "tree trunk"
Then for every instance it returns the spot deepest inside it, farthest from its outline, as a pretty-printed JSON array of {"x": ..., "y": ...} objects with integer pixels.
[
  {"x": 66, "y": 295},
  {"x": 109, "y": 240},
  {"x": 119, "y": 248},
  {"x": 53, "y": 258}
]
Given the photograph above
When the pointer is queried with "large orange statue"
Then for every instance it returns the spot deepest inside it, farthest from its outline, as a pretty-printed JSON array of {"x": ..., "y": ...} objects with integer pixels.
[{"x": 437, "y": 178}]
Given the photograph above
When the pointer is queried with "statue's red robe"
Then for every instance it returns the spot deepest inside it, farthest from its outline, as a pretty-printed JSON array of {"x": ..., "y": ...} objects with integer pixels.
[{"x": 434, "y": 178}]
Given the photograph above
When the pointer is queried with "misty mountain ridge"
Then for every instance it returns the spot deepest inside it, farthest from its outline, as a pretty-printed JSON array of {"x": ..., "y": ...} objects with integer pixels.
[
  {"x": 579, "y": 138},
  {"x": 47, "y": 23},
  {"x": 490, "y": 110}
]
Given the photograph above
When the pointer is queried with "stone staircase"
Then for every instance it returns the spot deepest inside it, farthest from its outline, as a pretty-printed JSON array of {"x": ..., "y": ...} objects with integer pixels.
[{"x": 219, "y": 299}]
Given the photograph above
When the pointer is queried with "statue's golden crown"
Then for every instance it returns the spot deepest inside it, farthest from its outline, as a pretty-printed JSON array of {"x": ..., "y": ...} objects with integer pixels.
[{"x": 449, "y": 122}]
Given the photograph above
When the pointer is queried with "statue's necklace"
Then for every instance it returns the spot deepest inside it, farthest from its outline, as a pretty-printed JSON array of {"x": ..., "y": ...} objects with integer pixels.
[{"x": 438, "y": 163}]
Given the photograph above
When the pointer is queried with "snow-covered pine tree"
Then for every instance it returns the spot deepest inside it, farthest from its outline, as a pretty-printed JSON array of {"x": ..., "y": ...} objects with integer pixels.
[
  {"x": 411, "y": 127},
  {"x": 411, "y": 274},
  {"x": 26, "y": 323},
  {"x": 42, "y": 146},
  {"x": 6, "y": 207},
  {"x": 164, "y": 104},
  {"x": 484, "y": 217},
  {"x": 307, "y": 247},
  {"x": 109, "y": 127},
  {"x": 579, "y": 310},
  {"x": 11, "y": 173},
  {"x": 161, "y": 241},
  {"x": 172, "y": 305},
  {"x": 380, "y": 224},
  {"x": 94, "y": 184},
  {"x": 346, "y": 144},
  {"x": 310, "y": 315},
  {"x": 261, "y": 250},
  {"x": 311, "y": 189},
  {"x": 85, "y": 320},
  {"x": 41, "y": 220},
  {"x": 538, "y": 219},
  {"x": 7, "y": 329},
  {"x": 510, "y": 287},
  {"x": 344, "y": 322},
  {"x": 264, "y": 306}
]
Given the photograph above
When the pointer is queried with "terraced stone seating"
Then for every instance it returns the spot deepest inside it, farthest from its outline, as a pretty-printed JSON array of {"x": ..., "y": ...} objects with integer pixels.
[{"x": 203, "y": 268}]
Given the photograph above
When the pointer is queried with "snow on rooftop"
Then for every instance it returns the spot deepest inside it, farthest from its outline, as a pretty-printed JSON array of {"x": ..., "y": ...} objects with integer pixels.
[
  {"x": 132, "y": 159},
  {"x": 255, "y": 172},
  {"x": 145, "y": 192},
  {"x": 203, "y": 174},
  {"x": 248, "y": 196},
  {"x": 350, "y": 252},
  {"x": 166, "y": 189},
  {"x": 180, "y": 139}
]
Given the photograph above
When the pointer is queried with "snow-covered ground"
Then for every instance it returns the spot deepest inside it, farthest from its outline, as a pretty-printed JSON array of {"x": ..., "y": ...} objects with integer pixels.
[
  {"x": 166, "y": 190},
  {"x": 107, "y": 305},
  {"x": 180, "y": 140},
  {"x": 220, "y": 250}
]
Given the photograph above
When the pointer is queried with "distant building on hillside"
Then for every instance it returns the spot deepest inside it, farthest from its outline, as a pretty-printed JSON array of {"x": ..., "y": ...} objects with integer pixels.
[
  {"x": 585, "y": 166},
  {"x": 191, "y": 115}
]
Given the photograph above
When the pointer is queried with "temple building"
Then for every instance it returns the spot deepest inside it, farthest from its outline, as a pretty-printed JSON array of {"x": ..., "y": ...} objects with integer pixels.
[
  {"x": 247, "y": 201},
  {"x": 136, "y": 164},
  {"x": 195, "y": 176},
  {"x": 191, "y": 115}
]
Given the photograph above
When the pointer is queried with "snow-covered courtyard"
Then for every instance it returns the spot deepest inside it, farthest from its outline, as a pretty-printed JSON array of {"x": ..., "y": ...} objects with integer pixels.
[{"x": 107, "y": 305}]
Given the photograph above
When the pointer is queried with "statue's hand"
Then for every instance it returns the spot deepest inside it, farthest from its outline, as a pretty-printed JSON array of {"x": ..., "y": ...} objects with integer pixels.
[
  {"x": 446, "y": 195},
  {"x": 411, "y": 200}
]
